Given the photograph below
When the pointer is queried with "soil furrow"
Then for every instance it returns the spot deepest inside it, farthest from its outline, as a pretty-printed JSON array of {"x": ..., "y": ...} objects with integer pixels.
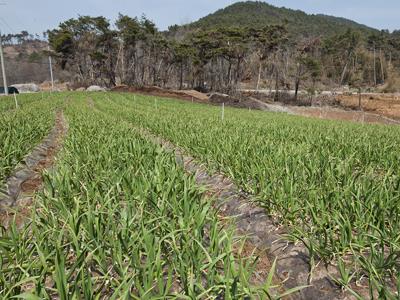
[
  {"x": 292, "y": 266},
  {"x": 26, "y": 179}
]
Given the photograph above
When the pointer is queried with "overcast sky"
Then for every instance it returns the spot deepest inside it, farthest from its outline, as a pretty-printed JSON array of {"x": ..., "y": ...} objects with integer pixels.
[{"x": 37, "y": 16}]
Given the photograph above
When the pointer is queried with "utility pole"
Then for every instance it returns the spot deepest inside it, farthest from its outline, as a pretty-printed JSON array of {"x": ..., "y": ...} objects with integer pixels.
[
  {"x": 3, "y": 70},
  {"x": 375, "y": 82},
  {"x": 51, "y": 72}
]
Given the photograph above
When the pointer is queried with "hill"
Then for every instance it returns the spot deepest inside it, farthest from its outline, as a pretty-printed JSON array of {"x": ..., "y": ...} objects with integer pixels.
[
  {"x": 257, "y": 14},
  {"x": 27, "y": 61}
]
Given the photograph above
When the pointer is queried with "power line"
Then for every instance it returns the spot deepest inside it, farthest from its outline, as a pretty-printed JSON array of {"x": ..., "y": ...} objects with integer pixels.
[
  {"x": 12, "y": 30},
  {"x": 33, "y": 72},
  {"x": 18, "y": 78},
  {"x": 28, "y": 62},
  {"x": 30, "y": 77},
  {"x": 7, "y": 25}
]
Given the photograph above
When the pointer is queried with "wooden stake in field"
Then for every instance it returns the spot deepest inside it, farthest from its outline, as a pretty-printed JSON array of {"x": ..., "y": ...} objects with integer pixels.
[
  {"x": 16, "y": 102},
  {"x": 223, "y": 111},
  {"x": 3, "y": 68},
  {"x": 51, "y": 73}
]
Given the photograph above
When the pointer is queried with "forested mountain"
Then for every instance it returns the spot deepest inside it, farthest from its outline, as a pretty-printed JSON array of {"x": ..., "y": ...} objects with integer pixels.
[
  {"x": 248, "y": 44},
  {"x": 259, "y": 14}
]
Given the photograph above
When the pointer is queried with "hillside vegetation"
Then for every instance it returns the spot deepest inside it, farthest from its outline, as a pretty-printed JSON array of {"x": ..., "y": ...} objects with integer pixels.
[
  {"x": 246, "y": 45},
  {"x": 26, "y": 59},
  {"x": 258, "y": 14}
]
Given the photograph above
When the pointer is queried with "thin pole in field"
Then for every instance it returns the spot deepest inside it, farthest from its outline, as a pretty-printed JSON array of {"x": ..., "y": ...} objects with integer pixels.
[
  {"x": 3, "y": 69},
  {"x": 42, "y": 95},
  {"x": 15, "y": 99},
  {"x": 134, "y": 97},
  {"x": 51, "y": 72},
  {"x": 155, "y": 103},
  {"x": 223, "y": 111}
]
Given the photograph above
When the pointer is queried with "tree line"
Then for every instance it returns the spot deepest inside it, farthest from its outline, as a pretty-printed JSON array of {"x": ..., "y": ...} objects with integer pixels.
[
  {"x": 19, "y": 38},
  {"x": 134, "y": 52}
]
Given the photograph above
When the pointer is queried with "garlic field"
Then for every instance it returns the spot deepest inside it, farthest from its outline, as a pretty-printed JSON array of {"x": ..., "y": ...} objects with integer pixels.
[{"x": 118, "y": 218}]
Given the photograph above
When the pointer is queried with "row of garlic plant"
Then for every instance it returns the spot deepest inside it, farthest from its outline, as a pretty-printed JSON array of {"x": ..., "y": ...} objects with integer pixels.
[
  {"x": 8, "y": 103},
  {"x": 335, "y": 185},
  {"x": 119, "y": 219},
  {"x": 21, "y": 129}
]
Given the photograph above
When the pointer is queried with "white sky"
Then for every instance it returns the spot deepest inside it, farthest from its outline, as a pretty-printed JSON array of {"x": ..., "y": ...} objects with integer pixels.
[{"x": 37, "y": 16}]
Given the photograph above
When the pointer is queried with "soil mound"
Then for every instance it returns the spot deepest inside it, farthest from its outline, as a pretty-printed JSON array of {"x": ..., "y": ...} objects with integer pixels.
[{"x": 218, "y": 98}]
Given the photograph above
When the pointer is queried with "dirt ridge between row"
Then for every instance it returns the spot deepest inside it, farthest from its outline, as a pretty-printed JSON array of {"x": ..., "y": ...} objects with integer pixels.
[
  {"x": 292, "y": 260},
  {"x": 26, "y": 179}
]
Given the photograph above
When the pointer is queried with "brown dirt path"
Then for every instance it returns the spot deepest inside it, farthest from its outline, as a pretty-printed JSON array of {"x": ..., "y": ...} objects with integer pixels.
[
  {"x": 20, "y": 187},
  {"x": 330, "y": 113},
  {"x": 379, "y": 103}
]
